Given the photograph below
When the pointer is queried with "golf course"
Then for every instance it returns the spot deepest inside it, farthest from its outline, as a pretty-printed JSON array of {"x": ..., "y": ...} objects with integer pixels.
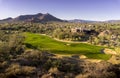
[{"x": 43, "y": 42}]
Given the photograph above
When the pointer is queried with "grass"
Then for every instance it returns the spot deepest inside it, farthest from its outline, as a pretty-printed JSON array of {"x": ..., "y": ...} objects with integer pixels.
[{"x": 41, "y": 42}]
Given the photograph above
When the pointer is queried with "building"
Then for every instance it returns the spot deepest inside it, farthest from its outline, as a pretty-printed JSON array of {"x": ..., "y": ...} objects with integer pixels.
[{"x": 79, "y": 29}]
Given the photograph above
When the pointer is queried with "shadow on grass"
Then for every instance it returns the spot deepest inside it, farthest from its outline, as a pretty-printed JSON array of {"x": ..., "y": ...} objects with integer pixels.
[{"x": 30, "y": 46}]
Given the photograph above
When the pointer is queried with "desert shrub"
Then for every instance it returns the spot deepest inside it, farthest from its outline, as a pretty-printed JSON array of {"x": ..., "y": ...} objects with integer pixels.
[
  {"x": 32, "y": 54},
  {"x": 4, "y": 51},
  {"x": 13, "y": 70},
  {"x": 17, "y": 70},
  {"x": 48, "y": 64},
  {"x": 56, "y": 63},
  {"x": 16, "y": 44},
  {"x": 12, "y": 47},
  {"x": 34, "y": 57},
  {"x": 97, "y": 70},
  {"x": 116, "y": 69},
  {"x": 3, "y": 64},
  {"x": 52, "y": 63},
  {"x": 69, "y": 65},
  {"x": 27, "y": 70}
]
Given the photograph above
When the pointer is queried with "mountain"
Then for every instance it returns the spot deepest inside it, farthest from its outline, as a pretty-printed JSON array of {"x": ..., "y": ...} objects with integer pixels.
[
  {"x": 90, "y": 21},
  {"x": 7, "y": 20},
  {"x": 36, "y": 18},
  {"x": 33, "y": 18},
  {"x": 81, "y": 21},
  {"x": 113, "y": 21}
]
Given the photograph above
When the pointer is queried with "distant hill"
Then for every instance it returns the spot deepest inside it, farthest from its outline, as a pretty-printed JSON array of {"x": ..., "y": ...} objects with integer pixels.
[
  {"x": 82, "y": 21},
  {"x": 90, "y": 21},
  {"x": 33, "y": 18},
  {"x": 113, "y": 21},
  {"x": 6, "y": 20}
]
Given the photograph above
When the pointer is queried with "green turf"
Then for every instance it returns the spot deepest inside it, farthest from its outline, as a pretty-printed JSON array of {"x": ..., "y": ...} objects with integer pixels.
[{"x": 41, "y": 42}]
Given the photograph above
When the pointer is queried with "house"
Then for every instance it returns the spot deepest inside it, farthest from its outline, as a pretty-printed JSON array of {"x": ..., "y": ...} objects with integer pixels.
[
  {"x": 80, "y": 29},
  {"x": 77, "y": 29}
]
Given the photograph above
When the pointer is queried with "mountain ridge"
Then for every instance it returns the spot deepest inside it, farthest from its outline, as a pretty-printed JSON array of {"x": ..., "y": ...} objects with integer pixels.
[
  {"x": 33, "y": 18},
  {"x": 82, "y": 21},
  {"x": 40, "y": 17}
]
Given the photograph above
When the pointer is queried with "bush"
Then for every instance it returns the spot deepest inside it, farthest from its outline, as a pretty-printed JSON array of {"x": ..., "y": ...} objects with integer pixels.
[
  {"x": 27, "y": 70},
  {"x": 13, "y": 69},
  {"x": 17, "y": 70}
]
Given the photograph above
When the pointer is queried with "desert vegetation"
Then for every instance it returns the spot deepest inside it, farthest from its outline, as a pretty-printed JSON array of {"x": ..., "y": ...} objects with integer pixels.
[{"x": 29, "y": 50}]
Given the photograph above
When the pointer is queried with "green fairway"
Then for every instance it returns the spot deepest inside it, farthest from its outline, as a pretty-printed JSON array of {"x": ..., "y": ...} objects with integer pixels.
[{"x": 41, "y": 42}]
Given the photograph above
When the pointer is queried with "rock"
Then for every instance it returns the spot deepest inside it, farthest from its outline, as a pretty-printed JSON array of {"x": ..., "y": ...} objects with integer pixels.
[
  {"x": 47, "y": 76},
  {"x": 82, "y": 57},
  {"x": 82, "y": 76},
  {"x": 53, "y": 73},
  {"x": 54, "y": 70}
]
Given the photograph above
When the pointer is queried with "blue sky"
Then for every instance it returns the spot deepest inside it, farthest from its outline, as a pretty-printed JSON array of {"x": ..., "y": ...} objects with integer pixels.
[{"x": 64, "y": 9}]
